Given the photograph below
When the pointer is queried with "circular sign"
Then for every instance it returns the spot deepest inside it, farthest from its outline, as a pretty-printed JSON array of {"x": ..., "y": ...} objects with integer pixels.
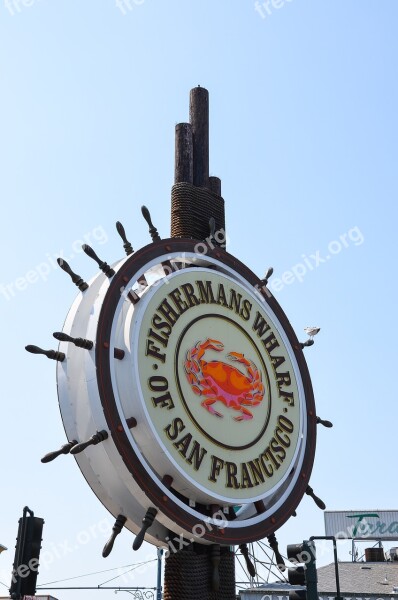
[
  {"x": 219, "y": 389},
  {"x": 202, "y": 387}
]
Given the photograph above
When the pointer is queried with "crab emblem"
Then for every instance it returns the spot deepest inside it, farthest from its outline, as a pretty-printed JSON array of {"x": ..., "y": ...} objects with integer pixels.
[{"x": 219, "y": 381}]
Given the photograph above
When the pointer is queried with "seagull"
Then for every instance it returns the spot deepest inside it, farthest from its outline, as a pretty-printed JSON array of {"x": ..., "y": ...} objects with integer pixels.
[{"x": 311, "y": 331}]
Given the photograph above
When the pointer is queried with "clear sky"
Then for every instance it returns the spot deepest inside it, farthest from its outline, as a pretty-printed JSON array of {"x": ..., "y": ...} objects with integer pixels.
[{"x": 303, "y": 116}]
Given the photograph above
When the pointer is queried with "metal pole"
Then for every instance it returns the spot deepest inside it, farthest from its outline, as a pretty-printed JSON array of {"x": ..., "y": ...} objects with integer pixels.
[
  {"x": 336, "y": 566},
  {"x": 159, "y": 578}
]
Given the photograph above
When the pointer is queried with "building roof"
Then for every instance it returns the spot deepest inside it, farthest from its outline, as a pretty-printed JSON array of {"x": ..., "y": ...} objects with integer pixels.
[
  {"x": 33, "y": 597},
  {"x": 359, "y": 578},
  {"x": 379, "y": 578}
]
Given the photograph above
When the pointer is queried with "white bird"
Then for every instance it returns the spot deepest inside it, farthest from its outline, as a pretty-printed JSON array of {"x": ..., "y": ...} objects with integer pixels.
[{"x": 311, "y": 331}]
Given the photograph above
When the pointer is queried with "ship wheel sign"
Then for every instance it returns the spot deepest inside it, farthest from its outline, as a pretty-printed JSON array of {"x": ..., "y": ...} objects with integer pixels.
[{"x": 185, "y": 395}]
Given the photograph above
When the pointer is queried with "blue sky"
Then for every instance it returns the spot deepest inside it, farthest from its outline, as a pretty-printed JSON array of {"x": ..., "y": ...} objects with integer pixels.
[{"x": 303, "y": 133}]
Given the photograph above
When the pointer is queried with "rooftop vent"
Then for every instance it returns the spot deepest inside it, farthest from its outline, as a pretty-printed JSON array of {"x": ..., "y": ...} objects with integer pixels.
[{"x": 374, "y": 554}]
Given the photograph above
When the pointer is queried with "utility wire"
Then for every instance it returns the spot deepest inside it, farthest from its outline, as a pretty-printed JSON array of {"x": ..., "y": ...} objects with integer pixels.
[
  {"x": 88, "y": 574},
  {"x": 129, "y": 571}
]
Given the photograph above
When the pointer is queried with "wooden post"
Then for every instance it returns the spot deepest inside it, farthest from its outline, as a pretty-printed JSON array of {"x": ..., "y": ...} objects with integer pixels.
[
  {"x": 183, "y": 164},
  {"x": 215, "y": 185},
  {"x": 199, "y": 118},
  {"x": 196, "y": 198}
]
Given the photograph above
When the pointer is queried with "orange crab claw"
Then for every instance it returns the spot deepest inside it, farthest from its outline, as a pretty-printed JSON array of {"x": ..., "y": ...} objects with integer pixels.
[
  {"x": 245, "y": 416},
  {"x": 235, "y": 355},
  {"x": 238, "y": 356},
  {"x": 213, "y": 345}
]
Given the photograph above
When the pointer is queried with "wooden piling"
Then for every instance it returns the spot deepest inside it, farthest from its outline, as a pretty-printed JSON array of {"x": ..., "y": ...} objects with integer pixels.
[
  {"x": 195, "y": 199},
  {"x": 215, "y": 185},
  {"x": 199, "y": 119},
  {"x": 183, "y": 164}
]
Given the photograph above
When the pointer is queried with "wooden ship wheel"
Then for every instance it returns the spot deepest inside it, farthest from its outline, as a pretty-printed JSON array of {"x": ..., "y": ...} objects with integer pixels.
[{"x": 183, "y": 389}]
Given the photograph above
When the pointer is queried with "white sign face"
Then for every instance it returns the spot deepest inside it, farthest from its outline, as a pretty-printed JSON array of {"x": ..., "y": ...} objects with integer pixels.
[
  {"x": 219, "y": 386},
  {"x": 362, "y": 524}
]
